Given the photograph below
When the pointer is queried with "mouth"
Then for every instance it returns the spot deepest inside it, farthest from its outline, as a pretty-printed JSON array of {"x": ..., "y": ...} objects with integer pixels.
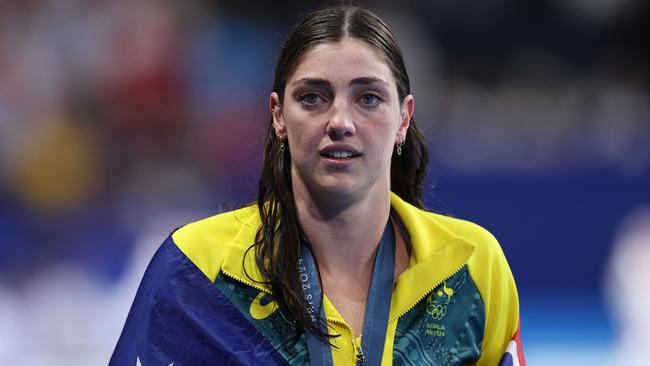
[{"x": 340, "y": 154}]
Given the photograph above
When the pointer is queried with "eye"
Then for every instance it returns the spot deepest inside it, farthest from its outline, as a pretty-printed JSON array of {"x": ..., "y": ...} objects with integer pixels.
[
  {"x": 310, "y": 98},
  {"x": 370, "y": 100}
]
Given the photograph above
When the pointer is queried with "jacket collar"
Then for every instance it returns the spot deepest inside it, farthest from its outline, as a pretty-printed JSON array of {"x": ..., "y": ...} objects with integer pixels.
[
  {"x": 436, "y": 255},
  {"x": 238, "y": 253}
]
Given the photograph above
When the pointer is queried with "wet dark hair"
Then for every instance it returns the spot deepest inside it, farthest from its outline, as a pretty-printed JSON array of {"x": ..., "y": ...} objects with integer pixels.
[{"x": 277, "y": 243}]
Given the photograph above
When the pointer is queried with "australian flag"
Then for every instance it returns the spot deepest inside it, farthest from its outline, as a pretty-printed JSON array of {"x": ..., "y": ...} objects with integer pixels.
[{"x": 179, "y": 317}]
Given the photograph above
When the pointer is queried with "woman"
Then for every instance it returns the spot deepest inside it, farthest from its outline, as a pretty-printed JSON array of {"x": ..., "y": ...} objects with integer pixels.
[{"x": 338, "y": 263}]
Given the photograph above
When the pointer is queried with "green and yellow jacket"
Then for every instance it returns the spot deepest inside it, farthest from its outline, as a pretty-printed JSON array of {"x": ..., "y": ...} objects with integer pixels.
[{"x": 455, "y": 304}]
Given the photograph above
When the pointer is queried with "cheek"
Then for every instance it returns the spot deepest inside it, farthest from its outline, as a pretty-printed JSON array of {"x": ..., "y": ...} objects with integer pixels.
[
  {"x": 299, "y": 130},
  {"x": 302, "y": 140},
  {"x": 381, "y": 134},
  {"x": 303, "y": 130},
  {"x": 299, "y": 140}
]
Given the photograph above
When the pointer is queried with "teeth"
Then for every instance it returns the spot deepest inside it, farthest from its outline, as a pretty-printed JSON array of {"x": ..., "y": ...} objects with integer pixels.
[{"x": 340, "y": 154}]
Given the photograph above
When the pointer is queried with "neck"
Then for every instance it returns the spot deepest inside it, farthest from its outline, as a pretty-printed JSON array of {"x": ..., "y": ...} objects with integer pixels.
[{"x": 344, "y": 235}]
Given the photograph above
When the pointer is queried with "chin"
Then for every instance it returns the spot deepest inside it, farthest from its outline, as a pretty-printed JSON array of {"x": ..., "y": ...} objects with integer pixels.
[{"x": 338, "y": 188}]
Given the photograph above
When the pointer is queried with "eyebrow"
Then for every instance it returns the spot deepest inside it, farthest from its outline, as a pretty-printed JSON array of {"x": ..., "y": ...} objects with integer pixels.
[
  {"x": 367, "y": 81},
  {"x": 354, "y": 82}
]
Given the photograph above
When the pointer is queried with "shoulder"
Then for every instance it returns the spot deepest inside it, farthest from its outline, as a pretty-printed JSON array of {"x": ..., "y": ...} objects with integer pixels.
[
  {"x": 487, "y": 252},
  {"x": 438, "y": 231},
  {"x": 488, "y": 255},
  {"x": 206, "y": 242},
  {"x": 493, "y": 278},
  {"x": 487, "y": 264},
  {"x": 487, "y": 267},
  {"x": 473, "y": 233}
]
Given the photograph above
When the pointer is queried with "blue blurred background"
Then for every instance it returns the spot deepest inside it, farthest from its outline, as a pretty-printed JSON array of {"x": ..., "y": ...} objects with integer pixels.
[{"x": 121, "y": 120}]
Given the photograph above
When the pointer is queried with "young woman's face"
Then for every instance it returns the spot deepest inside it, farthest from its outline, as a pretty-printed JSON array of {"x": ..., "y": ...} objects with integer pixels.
[{"x": 341, "y": 117}]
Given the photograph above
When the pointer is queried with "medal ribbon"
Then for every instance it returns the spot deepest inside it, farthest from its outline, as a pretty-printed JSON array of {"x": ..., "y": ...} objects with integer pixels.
[{"x": 377, "y": 306}]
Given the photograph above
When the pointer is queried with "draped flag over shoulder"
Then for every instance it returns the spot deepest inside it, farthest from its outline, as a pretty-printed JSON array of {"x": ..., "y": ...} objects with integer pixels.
[
  {"x": 514, "y": 355},
  {"x": 179, "y": 317}
]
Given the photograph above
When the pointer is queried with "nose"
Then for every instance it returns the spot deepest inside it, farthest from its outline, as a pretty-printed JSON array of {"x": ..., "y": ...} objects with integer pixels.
[{"x": 340, "y": 123}]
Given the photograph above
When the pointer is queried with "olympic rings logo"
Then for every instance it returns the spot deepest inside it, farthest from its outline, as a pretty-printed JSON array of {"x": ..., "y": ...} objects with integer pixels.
[{"x": 437, "y": 312}]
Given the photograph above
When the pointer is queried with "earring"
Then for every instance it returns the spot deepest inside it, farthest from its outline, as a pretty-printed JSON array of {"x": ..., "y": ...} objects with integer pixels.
[
  {"x": 282, "y": 145},
  {"x": 399, "y": 147}
]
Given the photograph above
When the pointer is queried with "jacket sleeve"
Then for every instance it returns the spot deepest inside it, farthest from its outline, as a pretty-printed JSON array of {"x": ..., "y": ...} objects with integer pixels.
[
  {"x": 493, "y": 277},
  {"x": 179, "y": 317}
]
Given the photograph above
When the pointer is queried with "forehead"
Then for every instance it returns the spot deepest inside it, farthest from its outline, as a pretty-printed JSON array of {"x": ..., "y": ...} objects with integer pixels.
[{"x": 345, "y": 60}]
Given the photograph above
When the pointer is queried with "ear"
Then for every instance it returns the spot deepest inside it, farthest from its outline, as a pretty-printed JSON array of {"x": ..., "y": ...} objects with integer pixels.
[
  {"x": 406, "y": 112},
  {"x": 276, "y": 113}
]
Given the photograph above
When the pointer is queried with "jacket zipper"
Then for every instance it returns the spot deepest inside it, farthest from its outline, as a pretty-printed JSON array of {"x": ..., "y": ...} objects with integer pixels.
[
  {"x": 359, "y": 357},
  {"x": 249, "y": 284}
]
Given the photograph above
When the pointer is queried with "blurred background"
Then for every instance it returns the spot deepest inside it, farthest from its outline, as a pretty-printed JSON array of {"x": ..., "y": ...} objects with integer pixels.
[{"x": 122, "y": 120}]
